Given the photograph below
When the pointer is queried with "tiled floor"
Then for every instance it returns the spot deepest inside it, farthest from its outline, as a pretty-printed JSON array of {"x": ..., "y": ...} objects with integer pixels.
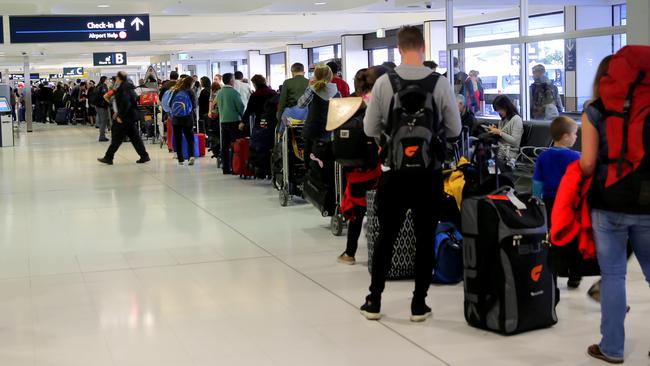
[{"x": 168, "y": 265}]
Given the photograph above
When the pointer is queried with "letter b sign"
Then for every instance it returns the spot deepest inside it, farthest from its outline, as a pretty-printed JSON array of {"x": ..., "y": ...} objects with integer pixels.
[{"x": 119, "y": 59}]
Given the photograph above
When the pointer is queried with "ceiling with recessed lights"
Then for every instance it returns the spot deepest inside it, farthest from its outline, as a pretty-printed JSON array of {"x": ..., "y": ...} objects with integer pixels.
[{"x": 220, "y": 25}]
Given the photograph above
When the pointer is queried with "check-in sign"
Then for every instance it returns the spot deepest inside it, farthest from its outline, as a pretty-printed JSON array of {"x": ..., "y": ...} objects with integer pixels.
[
  {"x": 56, "y": 76},
  {"x": 73, "y": 71},
  {"x": 79, "y": 28},
  {"x": 109, "y": 58}
]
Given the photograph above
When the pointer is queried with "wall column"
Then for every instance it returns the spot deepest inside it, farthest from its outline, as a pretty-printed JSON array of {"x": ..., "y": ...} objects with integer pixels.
[
  {"x": 353, "y": 57},
  {"x": 435, "y": 41},
  {"x": 638, "y": 22},
  {"x": 256, "y": 64},
  {"x": 29, "y": 116},
  {"x": 295, "y": 53}
]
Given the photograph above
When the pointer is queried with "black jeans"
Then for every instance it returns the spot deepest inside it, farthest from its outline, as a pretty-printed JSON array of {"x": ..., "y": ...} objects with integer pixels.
[
  {"x": 229, "y": 133},
  {"x": 179, "y": 131},
  {"x": 119, "y": 132},
  {"x": 399, "y": 191},
  {"x": 354, "y": 230}
]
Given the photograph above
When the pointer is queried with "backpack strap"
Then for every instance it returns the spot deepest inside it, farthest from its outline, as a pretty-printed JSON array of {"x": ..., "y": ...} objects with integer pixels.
[{"x": 626, "y": 122}]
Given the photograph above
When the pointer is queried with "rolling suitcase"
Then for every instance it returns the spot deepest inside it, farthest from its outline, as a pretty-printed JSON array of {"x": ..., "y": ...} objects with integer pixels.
[
  {"x": 62, "y": 116},
  {"x": 509, "y": 287},
  {"x": 199, "y": 141},
  {"x": 170, "y": 135},
  {"x": 240, "y": 149},
  {"x": 403, "y": 261}
]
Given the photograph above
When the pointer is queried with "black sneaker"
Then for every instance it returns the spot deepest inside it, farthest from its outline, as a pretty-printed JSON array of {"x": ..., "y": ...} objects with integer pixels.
[
  {"x": 574, "y": 282},
  {"x": 143, "y": 160},
  {"x": 105, "y": 161},
  {"x": 371, "y": 309},
  {"x": 103, "y": 139},
  {"x": 419, "y": 311}
]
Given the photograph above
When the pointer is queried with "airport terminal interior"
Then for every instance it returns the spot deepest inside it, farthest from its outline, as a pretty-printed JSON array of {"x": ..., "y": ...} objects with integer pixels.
[{"x": 231, "y": 254}]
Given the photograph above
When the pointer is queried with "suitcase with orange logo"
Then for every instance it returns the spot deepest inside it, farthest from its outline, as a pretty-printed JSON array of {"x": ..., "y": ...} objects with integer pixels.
[{"x": 509, "y": 287}]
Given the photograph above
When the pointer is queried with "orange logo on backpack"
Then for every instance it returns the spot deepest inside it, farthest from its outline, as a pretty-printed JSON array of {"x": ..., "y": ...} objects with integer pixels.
[
  {"x": 536, "y": 273},
  {"x": 411, "y": 150}
]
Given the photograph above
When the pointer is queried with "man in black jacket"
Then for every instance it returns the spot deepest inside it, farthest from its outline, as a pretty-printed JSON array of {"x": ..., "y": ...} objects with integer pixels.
[
  {"x": 128, "y": 115},
  {"x": 101, "y": 106}
]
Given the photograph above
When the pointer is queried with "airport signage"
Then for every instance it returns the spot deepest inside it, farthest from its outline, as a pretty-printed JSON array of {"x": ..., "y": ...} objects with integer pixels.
[
  {"x": 570, "y": 54},
  {"x": 109, "y": 58},
  {"x": 2, "y": 29},
  {"x": 79, "y": 28},
  {"x": 56, "y": 76},
  {"x": 15, "y": 77},
  {"x": 73, "y": 71}
]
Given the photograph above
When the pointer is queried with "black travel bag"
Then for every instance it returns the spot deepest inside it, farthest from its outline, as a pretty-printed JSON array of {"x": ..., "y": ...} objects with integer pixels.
[{"x": 509, "y": 287}]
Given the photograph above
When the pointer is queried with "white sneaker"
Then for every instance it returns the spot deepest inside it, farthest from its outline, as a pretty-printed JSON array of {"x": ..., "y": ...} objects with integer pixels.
[
  {"x": 180, "y": 163},
  {"x": 191, "y": 161}
]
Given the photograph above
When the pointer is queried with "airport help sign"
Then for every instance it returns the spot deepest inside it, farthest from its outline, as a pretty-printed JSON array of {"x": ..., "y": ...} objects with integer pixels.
[
  {"x": 79, "y": 28},
  {"x": 109, "y": 58}
]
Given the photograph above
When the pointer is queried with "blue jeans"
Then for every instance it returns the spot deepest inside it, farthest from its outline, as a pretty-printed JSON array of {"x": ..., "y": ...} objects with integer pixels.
[{"x": 612, "y": 231}]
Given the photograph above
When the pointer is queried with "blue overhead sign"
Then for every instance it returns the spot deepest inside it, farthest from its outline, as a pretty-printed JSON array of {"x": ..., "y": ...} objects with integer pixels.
[
  {"x": 2, "y": 29},
  {"x": 92, "y": 28},
  {"x": 109, "y": 58},
  {"x": 16, "y": 77}
]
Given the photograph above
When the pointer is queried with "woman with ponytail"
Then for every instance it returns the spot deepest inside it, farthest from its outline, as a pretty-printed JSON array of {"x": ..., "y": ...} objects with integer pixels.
[{"x": 317, "y": 98}]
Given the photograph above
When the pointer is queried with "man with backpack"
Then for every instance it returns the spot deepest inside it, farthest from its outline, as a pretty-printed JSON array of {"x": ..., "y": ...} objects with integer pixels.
[
  {"x": 412, "y": 110},
  {"x": 127, "y": 115},
  {"x": 102, "y": 107},
  {"x": 545, "y": 103}
]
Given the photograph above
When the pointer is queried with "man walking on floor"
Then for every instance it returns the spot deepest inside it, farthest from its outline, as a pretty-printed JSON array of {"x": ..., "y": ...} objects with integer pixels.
[
  {"x": 128, "y": 114},
  {"x": 412, "y": 174}
]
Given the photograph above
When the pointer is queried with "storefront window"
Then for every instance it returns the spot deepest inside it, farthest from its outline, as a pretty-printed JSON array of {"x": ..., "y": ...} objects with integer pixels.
[
  {"x": 492, "y": 31},
  {"x": 277, "y": 69},
  {"x": 397, "y": 57},
  {"x": 497, "y": 69},
  {"x": 379, "y": 56},
  {"x": 321, "y": 54}
]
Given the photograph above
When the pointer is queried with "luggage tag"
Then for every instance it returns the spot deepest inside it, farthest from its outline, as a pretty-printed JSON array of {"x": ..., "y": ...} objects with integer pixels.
[{"x": 516, "y": 201}]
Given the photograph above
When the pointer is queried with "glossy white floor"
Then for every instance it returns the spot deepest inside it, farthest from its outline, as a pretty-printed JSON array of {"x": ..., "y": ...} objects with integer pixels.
[{"x": 168, "y": 265}]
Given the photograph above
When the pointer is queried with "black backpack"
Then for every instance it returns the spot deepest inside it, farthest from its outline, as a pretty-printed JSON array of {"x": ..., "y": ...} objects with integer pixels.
[{"x": 415, "y": 139}]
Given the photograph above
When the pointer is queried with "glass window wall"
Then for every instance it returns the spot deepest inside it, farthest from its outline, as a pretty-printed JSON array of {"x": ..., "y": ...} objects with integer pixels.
[{"x": 277, "y": 69}]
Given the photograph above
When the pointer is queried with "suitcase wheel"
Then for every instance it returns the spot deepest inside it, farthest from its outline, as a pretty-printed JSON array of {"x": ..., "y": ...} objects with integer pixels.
[
  {"x": 337, "y": 223},
  {"x": 284, "y": 198}
]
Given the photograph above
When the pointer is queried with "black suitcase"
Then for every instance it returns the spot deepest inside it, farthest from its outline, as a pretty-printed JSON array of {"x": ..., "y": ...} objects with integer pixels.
[
  {"x": 63, "y": 116},
  {"x": 319, "y": 188},
  {"x": 403, "y": 261},
  {"x": 509, "y": 287}
]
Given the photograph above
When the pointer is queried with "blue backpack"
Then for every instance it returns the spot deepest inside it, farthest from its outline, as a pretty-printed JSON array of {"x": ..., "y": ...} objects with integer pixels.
[
  {"x": 181, "y": 104},
  {"x": 166, "y": 101},
  {"x": 448, "y": 255}
]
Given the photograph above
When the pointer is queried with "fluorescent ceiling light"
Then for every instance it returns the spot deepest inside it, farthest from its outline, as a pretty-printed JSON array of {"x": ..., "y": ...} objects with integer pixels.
[
  {"x": 103, "y": 6},
  {"x": 320, "y": 3}
]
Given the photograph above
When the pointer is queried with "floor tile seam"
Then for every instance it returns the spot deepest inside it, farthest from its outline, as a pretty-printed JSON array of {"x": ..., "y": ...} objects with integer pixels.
[
  {"x": 40, "y": 276},
  {"x": 32, "y": 319},
  {"x": 298, "y": 271},
  {"x": 95, "y": 308}
]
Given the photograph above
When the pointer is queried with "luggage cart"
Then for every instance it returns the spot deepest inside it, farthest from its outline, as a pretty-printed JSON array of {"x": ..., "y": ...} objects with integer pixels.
[
  {"x": 150, "y": 118},
  {"x": 293, "y": 170},
  {"x": 338, "y": 222}
]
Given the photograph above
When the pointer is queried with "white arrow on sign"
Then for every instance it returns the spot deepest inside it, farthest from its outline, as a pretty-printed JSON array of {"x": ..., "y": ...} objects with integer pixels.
[
  {"x": 570, "y": 45},
  {"x": 137, "y": 22}
]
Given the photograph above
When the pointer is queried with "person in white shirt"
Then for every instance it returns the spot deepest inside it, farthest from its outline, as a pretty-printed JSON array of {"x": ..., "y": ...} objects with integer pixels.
[{"x": 242, "y": 88}]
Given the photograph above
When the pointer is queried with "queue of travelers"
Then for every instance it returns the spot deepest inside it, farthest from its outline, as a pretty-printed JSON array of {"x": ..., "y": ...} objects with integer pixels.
[{"x": 618, "y": 207}]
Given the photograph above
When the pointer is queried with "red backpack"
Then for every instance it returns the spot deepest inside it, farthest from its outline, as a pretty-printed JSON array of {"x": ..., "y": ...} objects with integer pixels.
[{"x": 625, "y": 95}]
